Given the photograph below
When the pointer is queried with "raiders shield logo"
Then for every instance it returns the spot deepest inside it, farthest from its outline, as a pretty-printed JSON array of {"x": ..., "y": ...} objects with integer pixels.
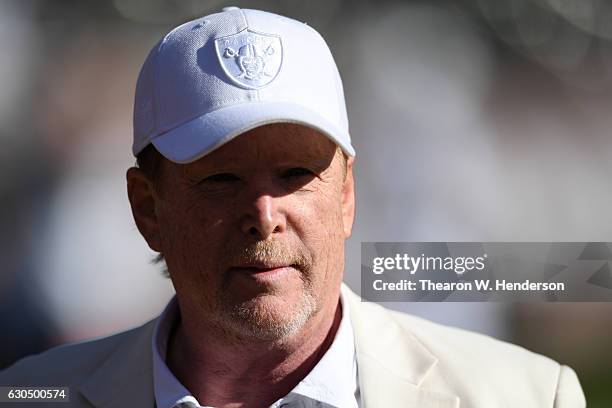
[{"x": 250, "y": 59}]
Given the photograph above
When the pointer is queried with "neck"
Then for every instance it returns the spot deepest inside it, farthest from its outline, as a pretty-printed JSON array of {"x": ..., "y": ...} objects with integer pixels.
[{"x": 227, "y": 375}]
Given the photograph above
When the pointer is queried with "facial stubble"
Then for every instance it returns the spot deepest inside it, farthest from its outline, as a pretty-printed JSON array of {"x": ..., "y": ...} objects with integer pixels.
[{"x": 269, "y": 316}]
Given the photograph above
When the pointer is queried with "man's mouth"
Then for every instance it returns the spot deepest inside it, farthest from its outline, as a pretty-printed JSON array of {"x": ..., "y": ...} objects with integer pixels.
[{"x": 263, "y": 271}]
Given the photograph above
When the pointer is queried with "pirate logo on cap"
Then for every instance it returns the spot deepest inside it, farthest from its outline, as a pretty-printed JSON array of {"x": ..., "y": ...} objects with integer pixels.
[{"x": 250, "y": 59}]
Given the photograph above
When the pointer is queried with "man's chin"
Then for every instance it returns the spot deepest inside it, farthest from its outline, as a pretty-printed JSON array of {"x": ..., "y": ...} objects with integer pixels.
[{"x": 269, "y": 317}]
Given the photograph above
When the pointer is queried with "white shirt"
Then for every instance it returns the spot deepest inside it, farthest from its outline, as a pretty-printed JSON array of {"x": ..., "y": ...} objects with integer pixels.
[{"x": 333, "y": 380}]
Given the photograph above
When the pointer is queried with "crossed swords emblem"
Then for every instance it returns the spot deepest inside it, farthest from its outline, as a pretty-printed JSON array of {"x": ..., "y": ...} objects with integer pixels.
[{"x": 250, "y": 59}]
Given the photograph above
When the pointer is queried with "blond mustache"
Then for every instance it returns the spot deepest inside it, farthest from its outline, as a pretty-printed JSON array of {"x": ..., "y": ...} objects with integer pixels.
[{"x": 269, "y": 252}]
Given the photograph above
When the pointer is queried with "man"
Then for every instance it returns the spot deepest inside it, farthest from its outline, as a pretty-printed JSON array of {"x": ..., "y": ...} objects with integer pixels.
[{"x": 245, "y": 186}]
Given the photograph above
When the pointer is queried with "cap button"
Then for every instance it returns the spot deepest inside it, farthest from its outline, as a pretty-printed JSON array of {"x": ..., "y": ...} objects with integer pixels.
[{"x": 230, "y": 8}]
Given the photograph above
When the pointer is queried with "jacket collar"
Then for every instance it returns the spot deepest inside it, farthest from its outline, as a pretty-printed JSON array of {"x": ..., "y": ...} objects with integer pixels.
[
  {"x": 391, "y": 362},
  {"x": 125, "y": 379}
]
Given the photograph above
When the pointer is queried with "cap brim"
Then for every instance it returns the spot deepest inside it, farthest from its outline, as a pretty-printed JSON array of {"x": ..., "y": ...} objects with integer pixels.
[{"x": 200, "y": 136}]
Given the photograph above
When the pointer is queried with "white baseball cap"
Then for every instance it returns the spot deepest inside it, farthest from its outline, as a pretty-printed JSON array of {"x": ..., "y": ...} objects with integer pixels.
[{"x": 216, "y": 77}]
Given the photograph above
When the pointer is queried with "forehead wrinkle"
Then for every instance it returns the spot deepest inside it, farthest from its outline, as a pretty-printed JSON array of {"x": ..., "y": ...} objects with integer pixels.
[{"x": 287, "y": 141}]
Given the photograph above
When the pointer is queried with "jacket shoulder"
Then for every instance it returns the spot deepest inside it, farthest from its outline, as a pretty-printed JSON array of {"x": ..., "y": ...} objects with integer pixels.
[
  {"x": 66, "y": 364},
  {"x": 477, "y": 365},
  {"x": 457, "y": 343},
  {"x": 449, "y": 344}
]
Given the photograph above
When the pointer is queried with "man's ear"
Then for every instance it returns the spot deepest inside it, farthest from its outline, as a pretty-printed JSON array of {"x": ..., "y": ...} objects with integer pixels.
[
  {"x": 348, "y": 198},
  {"x": 142, "y": 196}
]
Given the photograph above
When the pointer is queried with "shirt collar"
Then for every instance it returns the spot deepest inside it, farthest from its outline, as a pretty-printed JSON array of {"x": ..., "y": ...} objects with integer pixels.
[
  {"x": 169, "y": 392},
  {"x": 333, "y": 380}
]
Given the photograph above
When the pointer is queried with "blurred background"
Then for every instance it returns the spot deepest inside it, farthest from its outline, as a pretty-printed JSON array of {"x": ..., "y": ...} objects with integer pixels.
[{"x": 476, "y": 120}]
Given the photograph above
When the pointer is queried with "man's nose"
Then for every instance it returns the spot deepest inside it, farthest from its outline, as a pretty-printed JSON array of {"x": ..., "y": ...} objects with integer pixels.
[{"x": 264, "y": 218}]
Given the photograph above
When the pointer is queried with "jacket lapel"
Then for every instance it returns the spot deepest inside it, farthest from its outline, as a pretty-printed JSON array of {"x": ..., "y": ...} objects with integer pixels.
[
  {"x": 391, "y": 362},
  {"x": 125, "y": 379}
]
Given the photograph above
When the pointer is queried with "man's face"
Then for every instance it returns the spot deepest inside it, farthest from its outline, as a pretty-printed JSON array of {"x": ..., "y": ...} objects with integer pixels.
[{"x": 253, "y": 233}]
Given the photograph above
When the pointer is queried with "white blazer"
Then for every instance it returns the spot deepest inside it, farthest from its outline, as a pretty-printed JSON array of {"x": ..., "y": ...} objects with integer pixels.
[{"x": 403, "y": 362}]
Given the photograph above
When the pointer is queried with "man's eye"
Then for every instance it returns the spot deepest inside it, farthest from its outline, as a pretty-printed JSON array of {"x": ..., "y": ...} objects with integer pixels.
[
  {"x": 297, "y": 172},
  {"x": 221, "y": 178}
]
